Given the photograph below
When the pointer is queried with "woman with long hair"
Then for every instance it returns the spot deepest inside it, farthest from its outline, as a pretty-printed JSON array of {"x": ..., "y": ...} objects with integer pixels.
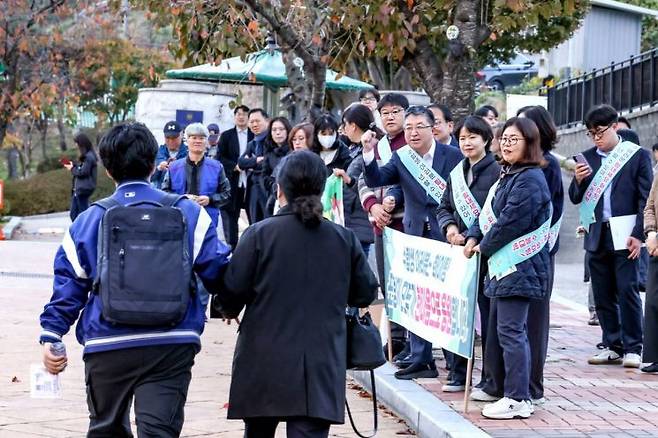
[
  {"x": 327, "y": 145},
  {"x": 275, "y": 147},
  {"x": 84, "y": 172}
]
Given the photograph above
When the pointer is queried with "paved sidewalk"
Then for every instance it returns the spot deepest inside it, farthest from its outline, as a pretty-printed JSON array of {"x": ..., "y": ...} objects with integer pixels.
[
  {"x": 25, "y": 286},
  {"x": 582, "y": 399}
]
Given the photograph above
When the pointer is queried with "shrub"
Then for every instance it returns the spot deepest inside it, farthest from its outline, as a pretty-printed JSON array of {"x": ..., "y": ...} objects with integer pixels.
[{"x": 48, "y": 192}]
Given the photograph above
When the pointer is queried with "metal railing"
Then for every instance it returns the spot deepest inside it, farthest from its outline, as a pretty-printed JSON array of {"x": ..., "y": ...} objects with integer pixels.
[{"x": 628, "y": 85}]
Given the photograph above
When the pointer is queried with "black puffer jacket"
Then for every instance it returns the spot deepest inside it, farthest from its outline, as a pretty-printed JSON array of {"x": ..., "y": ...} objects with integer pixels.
[
  {"x": 522, "y": 204},
  {"x": 356, "y": 218}
]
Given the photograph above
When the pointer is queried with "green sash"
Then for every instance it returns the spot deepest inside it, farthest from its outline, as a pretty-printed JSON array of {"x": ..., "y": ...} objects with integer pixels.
[
  {"x": 466, "y": 204},
  {"x": 610, "y": 167},
  {"x": 503, "y": 262},
  {"x": 427, "y": 177}
]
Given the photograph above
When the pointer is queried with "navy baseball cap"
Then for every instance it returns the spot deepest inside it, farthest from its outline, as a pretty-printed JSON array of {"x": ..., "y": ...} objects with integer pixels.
[
  {"x": 213, "y": 129},
  {"x": 172, "y": 129}
]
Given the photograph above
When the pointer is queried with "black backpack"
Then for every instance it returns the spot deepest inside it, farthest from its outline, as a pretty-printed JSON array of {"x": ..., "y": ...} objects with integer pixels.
[{"x": 144, "y": 271}]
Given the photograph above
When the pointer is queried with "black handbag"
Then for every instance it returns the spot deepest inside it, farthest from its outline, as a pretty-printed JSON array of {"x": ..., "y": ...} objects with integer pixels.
[{"x": 364, "y": 352}]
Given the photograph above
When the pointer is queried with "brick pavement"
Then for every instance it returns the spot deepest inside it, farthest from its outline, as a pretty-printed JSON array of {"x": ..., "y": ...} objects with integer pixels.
[
  {"x": 582, "y": 399},
  {"x": 25, "y": 286}
]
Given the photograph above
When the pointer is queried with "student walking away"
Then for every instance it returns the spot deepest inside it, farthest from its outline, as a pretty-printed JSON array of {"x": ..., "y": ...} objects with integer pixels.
[
  {"x": 232, "y": 144},
  {"x": 213, "y": 140},
  {"x": 613, "y": 179},
  {"x": 296, "y": 373},
  {"x": 251, "y": 161},
  {"x": 202, "y": 180},
  {"x": 274, "y": 149},
  {"x": 173, "y": 149},
  {"x": 430, "y": 165},
  {"x": 466, "y": 190},
  {"x": 144, "y": 351},
  {"x": 84, "y": 175},
  {"x": 356, "y": 121},
  {"x": 391, "y": 108},
  {"x": 518, "y": 207},
  {"x": 443, "y": 125}
]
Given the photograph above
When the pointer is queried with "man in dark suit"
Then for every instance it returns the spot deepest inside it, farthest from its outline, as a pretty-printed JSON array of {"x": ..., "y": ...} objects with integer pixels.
[
  {"x": 419, "y": 205},
  {"x": 614, "y": 274},
  {"x": 232, "y": 144}
]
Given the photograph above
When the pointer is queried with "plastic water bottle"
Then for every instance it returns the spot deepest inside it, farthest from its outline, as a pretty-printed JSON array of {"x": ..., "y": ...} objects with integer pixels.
[{"x": 58, "y": 349}]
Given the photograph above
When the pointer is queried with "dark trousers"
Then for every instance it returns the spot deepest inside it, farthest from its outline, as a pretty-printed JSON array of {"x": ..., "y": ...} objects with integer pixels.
[
  {"x": 538, "y": 327},
  {"x": 257, "y": 201},
  {"x": 297, "y": 427},
  {"x": 233, "y": 214},
  {"x": 79, "y": 203},
  {"x": 421, "y": 350},
  {"x": 508, "y": 339},
  {"x": 617, "y": 296},
  {"x": 157, "y": 377},
  {"x": 459, "y": 365},
  {"x": 650, "y": 350}
]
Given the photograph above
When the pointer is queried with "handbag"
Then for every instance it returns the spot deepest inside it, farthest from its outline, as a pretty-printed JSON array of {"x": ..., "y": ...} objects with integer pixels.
[{"x": 364, "y": 352}]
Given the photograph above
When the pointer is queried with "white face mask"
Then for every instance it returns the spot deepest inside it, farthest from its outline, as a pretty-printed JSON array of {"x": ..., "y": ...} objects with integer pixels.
[{"x": 327, "y": 141}]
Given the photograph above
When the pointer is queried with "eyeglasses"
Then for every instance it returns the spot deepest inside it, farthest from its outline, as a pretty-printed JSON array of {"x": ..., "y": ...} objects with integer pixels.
[
  {"x": 368, "y": 99},
  {"x": 512, "y": 141},
  {"x": 416, "y": 128},
  {"x": 393, "y": 113},
  {"x": 597, "y": 134}
]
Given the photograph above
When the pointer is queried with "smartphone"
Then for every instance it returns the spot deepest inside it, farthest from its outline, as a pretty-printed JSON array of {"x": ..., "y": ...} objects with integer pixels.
[
  {"x": 580, "y": 159},
  {"x": 64, "y": 161}
]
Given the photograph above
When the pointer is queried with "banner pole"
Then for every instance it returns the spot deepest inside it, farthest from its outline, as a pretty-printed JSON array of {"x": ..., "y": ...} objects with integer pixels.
[{"x": 467, "y": 389}]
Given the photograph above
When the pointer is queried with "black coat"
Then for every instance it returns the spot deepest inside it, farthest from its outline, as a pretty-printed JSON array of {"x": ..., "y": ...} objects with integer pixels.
[
  {"x": 228, "y": 153},
  {"x": 295, "y": 283},
  {"x": 522, "y": 204},
  {"x": 485, "y": 174},
  {"x": 356, "y": 218},
  {"x": 84, "y": 174}
]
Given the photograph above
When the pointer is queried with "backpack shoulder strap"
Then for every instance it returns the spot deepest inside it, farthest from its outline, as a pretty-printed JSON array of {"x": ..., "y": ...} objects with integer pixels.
[
  {"x": 107, "y": 203},
  {"x": 170, "y": 199}
]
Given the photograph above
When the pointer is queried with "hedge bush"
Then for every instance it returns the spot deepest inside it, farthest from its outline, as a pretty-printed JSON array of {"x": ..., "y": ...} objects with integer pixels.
[{"x": 47, "y": 192}]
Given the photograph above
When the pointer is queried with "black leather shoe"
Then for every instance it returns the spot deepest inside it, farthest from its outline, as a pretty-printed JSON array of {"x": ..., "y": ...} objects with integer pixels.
[
  {"x": 417, "y": 371},
  {"x": 653, "y": 368},
  {"x": 404, "y": 362},
  {"x": 402, "y": 355}
]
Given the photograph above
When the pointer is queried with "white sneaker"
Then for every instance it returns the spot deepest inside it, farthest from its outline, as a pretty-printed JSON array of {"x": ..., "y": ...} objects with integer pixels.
[
  {"x": 507, "y": 408},
  {"x": 538, "y": 401},
  {"x": 632, "y": 360},
  {"x": 604, "y": 357},
  {"x": 479, "y": 395}
]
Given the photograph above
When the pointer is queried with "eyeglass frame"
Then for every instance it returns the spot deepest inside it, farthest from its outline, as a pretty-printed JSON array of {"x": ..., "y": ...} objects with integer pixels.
[
  {"x": 411, "y": 129},
  {"x": 599, "y": 134},
  {"x": 394, "y": 113},
  {"x": 505, "y": 140}
]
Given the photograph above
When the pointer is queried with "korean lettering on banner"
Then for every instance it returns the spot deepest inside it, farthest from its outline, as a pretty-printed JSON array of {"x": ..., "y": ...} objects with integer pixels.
[{"x": 431, "y": 289}]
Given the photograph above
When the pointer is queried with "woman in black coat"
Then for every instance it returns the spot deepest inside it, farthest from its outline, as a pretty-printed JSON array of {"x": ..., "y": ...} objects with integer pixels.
[
  {"x": 295, "y": 272},
  {"x": 275, "y": 147},
  {"x": 478, "y": 171},
  {"x": 84, "y": 175},
  {"x": 521, "y": 205},
  {"x": 327, "y": 144}
]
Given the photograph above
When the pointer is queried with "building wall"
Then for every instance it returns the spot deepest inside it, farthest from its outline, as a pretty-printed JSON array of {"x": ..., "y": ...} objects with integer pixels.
[
  {"x": 610, "y": 36},
  {"x": 605, "y": 36}
]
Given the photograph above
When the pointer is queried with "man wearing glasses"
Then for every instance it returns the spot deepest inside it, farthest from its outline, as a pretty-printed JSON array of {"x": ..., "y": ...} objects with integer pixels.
[
  {"x": 614, "y": 181},
  {"x": 420, "y": 204}
]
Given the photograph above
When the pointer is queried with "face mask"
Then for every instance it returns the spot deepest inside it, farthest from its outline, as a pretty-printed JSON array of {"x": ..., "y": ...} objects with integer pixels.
[{"x": 327, "y": 141}]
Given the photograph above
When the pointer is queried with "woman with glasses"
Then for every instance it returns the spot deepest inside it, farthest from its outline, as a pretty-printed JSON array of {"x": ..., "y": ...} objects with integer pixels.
[
  {"x": 466, "y": 191},
  {"x": 370, "y": 98},
  {"x": 512, "y": 232}
]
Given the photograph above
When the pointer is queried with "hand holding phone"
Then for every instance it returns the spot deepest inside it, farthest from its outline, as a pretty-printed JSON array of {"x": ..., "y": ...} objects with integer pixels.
[
  {"x": 580, "y": 159},
  {"x": 64, "y": 161},
  {"x": 583, "y": 169}
]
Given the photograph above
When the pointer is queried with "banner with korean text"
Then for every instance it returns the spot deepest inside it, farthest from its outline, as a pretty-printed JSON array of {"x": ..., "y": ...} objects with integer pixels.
[{"x": 431, "y": 290}]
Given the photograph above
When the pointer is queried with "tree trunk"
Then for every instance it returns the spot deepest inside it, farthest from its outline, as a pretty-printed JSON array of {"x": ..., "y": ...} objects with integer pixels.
[
  {"x": 299, "y": 103},
  {"x": 42, "y": 127},
  {"x": 316, "y": 74},
  {"x": 12, "y": 162},
  {"x": 425, "y": 64},
  {"x": 61, "y": 130},
  {"x": 459, "y": 79}
]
